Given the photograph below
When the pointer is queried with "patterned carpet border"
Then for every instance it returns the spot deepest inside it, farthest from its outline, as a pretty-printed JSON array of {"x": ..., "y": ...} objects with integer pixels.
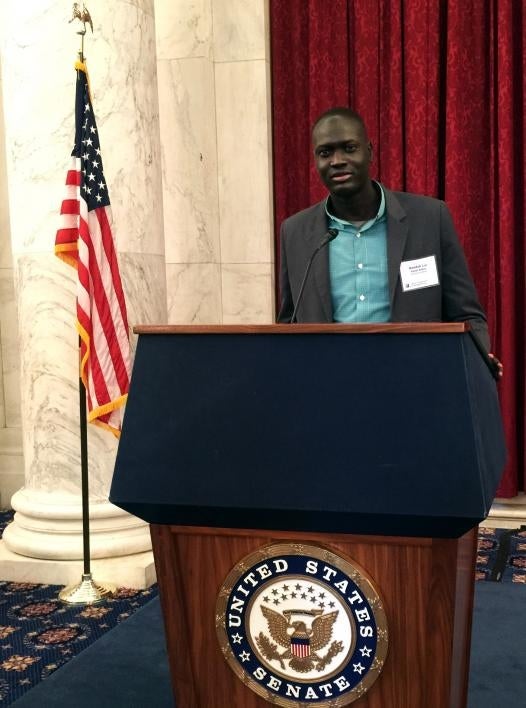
[{"x": 39, "y": 634}]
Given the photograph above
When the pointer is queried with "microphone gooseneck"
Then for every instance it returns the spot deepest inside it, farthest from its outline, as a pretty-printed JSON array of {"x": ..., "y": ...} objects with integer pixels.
[{"x": 329, "y": 236}]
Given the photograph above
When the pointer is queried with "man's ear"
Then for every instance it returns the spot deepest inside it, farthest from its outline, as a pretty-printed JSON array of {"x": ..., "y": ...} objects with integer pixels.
[{"x": 370, "y": 151}]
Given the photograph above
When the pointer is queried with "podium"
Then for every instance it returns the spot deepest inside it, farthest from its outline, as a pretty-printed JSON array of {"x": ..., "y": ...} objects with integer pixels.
[{"x": 381, "y": 444}]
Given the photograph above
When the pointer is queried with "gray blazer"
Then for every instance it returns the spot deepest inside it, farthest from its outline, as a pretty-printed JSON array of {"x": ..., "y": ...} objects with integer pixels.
[{"x": 417, "y": 227}]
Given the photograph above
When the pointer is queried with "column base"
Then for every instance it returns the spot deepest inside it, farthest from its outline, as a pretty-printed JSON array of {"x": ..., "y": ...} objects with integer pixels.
[
  {"x": 49, "y": 527},
  {"x": 507, "y": 513},
  {"x": 134, "y": 571}
]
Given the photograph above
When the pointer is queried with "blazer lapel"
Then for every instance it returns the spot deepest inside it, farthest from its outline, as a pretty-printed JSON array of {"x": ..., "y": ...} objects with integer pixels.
[
  {"x": 319, "y": 276},
  {"x": 397, "y": 229}
]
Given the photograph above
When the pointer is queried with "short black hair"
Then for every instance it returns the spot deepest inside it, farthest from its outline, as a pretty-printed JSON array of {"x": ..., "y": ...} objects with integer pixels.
[{"x": 343, "y": 112}]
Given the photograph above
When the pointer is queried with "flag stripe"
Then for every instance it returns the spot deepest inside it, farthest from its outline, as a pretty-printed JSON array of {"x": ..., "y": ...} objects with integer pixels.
[
  {"x": 112, "y": 273},
  {"x": 69, "y": 221},
  {"x": 104, "y": 224},
  {"x": 70, "y": 206},
  {"x": 74, "y": 177},
  {"x": 97, "y": 385},
  {"x": 105, "y": 307},
  {"x": 65, "y": 236}
]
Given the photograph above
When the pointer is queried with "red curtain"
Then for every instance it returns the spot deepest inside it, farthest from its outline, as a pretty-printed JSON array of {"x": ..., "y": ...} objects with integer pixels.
[{"x": 441, "y": 86}]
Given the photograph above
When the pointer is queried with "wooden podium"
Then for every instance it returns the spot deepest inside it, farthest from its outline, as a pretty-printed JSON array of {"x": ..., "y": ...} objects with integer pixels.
[{"x": 382, "y": 443}]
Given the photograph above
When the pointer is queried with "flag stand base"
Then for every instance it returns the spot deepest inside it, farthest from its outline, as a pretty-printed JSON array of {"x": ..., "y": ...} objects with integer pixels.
[{"x": 87, "y": 592}]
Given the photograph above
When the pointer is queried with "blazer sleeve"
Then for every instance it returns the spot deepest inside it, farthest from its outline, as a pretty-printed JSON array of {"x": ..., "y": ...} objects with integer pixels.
[{"x": 460, "y": 302}]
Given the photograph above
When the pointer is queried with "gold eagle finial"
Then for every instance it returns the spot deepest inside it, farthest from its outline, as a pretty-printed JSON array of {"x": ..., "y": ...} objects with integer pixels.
[{"x": 82, "y": 15}]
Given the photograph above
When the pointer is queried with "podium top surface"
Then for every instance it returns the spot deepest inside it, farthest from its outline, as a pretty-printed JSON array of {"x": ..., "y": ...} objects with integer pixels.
[{"x": 379, "y": 328}]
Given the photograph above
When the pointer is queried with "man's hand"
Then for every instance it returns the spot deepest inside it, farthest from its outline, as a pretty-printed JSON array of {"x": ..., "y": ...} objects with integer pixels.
[{"x": 500, "y": 368}]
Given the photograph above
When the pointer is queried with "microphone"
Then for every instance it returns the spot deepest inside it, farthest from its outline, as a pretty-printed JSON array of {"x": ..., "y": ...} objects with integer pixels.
[{"x": 329, "y": 236}]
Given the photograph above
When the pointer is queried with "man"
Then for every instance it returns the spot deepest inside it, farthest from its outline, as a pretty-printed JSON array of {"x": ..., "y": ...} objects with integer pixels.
[{"x": 396, "y": 258}]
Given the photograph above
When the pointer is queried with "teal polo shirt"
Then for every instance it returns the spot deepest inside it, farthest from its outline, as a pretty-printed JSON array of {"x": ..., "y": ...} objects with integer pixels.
[{"x": 358, "y": 268}]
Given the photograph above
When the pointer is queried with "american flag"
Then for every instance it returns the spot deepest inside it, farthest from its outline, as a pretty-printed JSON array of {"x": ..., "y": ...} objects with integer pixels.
[{"x": 85, "y": 241}]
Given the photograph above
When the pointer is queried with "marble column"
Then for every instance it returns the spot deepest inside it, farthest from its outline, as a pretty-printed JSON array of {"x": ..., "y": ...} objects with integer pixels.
[{"x": 38, "y": 50}]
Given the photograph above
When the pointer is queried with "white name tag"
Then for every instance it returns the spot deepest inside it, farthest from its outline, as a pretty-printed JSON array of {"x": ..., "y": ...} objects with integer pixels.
[{"x": 420, "y": 273}]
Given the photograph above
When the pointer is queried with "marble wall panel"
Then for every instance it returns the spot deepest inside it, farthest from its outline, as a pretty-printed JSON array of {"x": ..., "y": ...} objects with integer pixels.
[
  {"x": 144, "y": 282},
  {"x": 187, "y": 120},
  {"x": 183, "y": 28},
  {"x": 239, "y": 29},
  {"x": 248, "y": 293},
  {"x": 194, "y": 293},
  {"x": 244, "y": 165}
]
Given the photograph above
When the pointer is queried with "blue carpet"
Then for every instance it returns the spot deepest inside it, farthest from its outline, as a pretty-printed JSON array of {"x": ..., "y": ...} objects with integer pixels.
[
  {"x": 127, "y": 667},
  {"x": 497, "y": 676}
]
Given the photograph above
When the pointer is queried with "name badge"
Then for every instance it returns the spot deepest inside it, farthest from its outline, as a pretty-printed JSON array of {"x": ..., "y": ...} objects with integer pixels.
[{"x": 419, "y": 273}]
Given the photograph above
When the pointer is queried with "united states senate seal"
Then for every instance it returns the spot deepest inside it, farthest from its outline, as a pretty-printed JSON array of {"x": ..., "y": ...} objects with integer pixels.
[{"x": 302, "y": 625}]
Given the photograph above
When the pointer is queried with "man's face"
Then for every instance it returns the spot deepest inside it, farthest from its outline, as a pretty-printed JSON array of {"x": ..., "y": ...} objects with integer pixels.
[{"x": 343, "y": 155}]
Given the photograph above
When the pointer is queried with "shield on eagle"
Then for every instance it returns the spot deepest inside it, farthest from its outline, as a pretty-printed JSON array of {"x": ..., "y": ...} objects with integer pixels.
[{"x": 300, "y": 644}]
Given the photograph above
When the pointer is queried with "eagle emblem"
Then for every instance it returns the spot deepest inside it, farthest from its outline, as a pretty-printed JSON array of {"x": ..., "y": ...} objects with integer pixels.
[{"x": 301, "y": 641}]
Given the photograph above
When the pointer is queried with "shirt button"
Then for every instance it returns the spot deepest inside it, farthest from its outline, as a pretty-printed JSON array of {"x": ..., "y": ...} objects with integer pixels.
[
  {"x": 362, "y": 297},
  {"x": 358, "y": 235},
  {"x": 360, "y": 265}
]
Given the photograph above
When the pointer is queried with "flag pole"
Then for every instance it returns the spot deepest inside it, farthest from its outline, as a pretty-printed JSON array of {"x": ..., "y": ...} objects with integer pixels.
[{"x": 87, "y": 592}]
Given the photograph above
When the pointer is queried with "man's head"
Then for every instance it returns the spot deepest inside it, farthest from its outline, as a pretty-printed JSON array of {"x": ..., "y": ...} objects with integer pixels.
[{"x": 342, "y": 151}]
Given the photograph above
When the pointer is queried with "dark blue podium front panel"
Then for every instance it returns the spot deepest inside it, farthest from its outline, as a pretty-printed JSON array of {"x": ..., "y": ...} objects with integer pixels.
[{"x": 395, "y": 434}]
